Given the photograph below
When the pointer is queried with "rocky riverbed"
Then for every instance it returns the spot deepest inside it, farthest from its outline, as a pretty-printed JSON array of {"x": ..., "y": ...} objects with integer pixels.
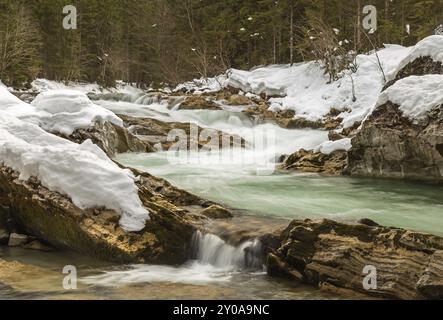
[{"x": 220, "y": 220}]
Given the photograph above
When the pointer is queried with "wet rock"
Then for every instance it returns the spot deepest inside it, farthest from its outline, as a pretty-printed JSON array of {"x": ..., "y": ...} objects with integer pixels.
[
  {"x": 111, "y": 138},
  {"x": 368, "y": 222},
  {"x": 335, "y": 136},
  {"x": 239, "y": 100},
  {"x": 4, "y": 228},
  {"x": 38, "y": 246},
  {"x": 431, "y": 282},
  {"x": 155, "y": 132},
  {"x": 408, "y": 264},
  {"x": 217, "y": 212},
  {"x": 278, "y": 268},
  {"x": 299, "y": 123},
  {"x": 4, "y": 237},
  {"x": 391, "y": 146},
  {"x": 17, "y": 240},
  {"x": 316, "y": 162},
  {"x": 196, "y": 102}
]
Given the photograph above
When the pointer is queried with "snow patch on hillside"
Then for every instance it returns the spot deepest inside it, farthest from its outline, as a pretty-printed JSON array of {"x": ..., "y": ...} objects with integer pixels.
[
  {"x": 416, "y": 95},
  {"x": 82, "y": 172},
  {"x": 304, "y": 87}
]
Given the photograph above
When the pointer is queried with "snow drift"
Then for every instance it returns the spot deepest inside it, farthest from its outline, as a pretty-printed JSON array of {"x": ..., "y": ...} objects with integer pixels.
[{"x": 82, "y": 172}]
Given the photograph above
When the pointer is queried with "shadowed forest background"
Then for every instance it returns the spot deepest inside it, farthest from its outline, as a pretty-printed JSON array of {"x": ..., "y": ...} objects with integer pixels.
[{"x": 156, "y": 41}]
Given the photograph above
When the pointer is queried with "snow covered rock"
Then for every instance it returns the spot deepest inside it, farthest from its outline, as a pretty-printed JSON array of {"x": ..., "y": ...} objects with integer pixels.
[
  {"x": 426, "y": 57},
  {"x": 403, "y": 137},
  {"x": 329, "y": 147},
  {"x": 52, "y": 217},
  {"x": 65, "y": 111},
  {"x": 121, "y": 89},
  {"x": 203, "y": 85},
  {"x": 83, "y": 172},
  {"x": 415, "y": 95},
  {"x": 73, "y": 196},
  {"x": 71, "y": 115}
]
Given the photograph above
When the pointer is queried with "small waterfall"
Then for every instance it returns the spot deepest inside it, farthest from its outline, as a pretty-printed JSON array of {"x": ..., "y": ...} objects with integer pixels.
[
  {"x": 212, "y": 250},
  {"x": 148, "y": 99}
]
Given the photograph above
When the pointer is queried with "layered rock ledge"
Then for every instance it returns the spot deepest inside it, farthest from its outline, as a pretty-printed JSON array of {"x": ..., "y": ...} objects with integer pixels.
[{"x": 409, "y": 265}]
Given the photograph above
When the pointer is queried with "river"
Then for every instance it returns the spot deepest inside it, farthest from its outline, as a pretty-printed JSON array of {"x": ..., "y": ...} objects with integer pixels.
[{"x": 262, "y": 198}]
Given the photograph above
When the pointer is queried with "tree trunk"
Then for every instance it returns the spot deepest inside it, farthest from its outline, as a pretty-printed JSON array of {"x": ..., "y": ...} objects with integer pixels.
[{"x": 291, "y": 37}]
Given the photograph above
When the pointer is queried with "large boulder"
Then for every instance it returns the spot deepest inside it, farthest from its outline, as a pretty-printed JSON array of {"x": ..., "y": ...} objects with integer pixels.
[
  {"x": 316, "y": 162},
  {"x": 390, "y": 145},
  {"x": 424, "y": 58},
  {"x": 53, "y": 218},
  {"x": 406, "y": 264},
  {"x": 111, "y": 138}
]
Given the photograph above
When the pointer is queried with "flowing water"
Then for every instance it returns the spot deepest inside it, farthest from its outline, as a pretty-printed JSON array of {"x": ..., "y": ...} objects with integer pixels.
[
  {"x": 232, "y": 177},
  {"x": 217, "y": 271},
  {"x": 242, "y": 179}
]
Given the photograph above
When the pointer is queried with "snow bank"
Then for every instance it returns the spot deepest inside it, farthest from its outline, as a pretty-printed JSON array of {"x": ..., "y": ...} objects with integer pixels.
[
  {"x": 429, "y": 47},
  {"x": 58, "y": 111},
  {"x": 273, "y": 80},
  {"x": 416, "y": 95},
  {"x": 83, "y": 172},
  {"x": 332, "y": 146},
  {"x": 65, "y": 111},
  {"x": 203, "y": 85},
  {"x": 42, "y": 85},
  {"x": 305, "y": 89}
]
